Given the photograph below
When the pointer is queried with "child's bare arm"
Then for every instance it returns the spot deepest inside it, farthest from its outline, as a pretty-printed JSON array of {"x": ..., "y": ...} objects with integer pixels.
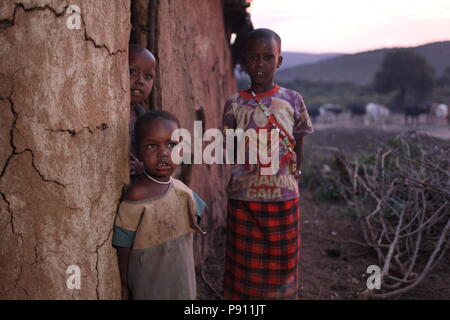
[{"x": 123, "y": 257}]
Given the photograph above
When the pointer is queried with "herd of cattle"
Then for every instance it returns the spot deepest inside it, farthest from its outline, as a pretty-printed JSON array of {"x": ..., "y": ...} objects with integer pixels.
[{"x": 374, "y": 113}]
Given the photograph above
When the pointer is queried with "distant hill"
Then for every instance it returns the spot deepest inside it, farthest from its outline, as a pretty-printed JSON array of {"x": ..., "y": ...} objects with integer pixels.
[
  {"x": 294, "y": 59},
  {"x": 361, "y": 67}
]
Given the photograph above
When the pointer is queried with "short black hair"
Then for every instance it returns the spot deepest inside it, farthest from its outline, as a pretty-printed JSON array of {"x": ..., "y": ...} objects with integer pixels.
[
  {"x": 135, "y": 48},
  {"x": 263, "y": 33},
  {"x": 151, "y": 116}
]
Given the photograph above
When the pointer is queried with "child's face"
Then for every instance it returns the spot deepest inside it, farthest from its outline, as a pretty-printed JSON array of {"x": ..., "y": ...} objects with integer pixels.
[
  {"x": 142, "y": 71},
  {"x": 261, "y": 60},
  {"x": 155, "y": 147}
]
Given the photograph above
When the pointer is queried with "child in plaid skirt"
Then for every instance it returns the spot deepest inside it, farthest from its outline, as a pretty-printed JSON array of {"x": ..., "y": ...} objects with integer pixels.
[{"x": 263, "y": 215}]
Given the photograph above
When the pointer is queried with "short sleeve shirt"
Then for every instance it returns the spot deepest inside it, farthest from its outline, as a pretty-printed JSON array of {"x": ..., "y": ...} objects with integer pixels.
[
  {"x": 160, "y": 232},
  {"x": 291, "y": 115}
]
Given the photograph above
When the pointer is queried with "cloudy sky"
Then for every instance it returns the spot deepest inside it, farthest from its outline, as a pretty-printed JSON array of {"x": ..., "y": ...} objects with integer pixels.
[{"x": 349, "y": 26}]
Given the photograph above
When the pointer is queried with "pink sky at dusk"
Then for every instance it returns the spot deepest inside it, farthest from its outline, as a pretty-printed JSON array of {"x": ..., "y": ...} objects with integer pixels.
[{"x": 349, "y": 26}]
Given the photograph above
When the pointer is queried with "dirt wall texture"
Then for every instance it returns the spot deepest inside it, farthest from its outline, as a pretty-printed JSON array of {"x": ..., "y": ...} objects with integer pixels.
[
  {"x": 64, "y": 101},
  {"x": 194, "y": 78}
]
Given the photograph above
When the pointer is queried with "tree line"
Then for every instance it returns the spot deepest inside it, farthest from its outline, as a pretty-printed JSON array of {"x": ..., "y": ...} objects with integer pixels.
[{"x": 405, "y": 79}]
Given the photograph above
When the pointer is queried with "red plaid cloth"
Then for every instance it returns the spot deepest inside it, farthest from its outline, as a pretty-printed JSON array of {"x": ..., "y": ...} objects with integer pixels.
[{"x": 263, "y": 250}]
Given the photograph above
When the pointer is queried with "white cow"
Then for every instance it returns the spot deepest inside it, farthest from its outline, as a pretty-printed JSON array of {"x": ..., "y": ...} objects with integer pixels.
[
  {"x": 329, "y": 112},
  {"x": 376, "y": 114},
  {"x": 441, "y": 114}
]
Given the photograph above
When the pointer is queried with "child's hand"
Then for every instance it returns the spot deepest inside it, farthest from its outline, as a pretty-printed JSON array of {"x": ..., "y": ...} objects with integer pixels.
[
  {"x": 136, "y": 166},
  {"x": 298, "y": 175}
]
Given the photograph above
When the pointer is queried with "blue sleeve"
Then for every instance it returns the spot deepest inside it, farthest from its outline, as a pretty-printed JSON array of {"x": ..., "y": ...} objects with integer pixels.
[
  {"x": 123, "y": 238},
  {"x": 199, "y": 204}
]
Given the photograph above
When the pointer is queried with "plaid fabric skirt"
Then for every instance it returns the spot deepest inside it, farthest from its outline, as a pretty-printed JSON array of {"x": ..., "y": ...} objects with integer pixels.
[{"x": 262, "y": 250}]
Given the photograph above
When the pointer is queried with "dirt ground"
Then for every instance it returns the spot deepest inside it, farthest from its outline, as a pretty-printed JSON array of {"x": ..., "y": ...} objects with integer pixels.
[{"x": 333, "y": 256}]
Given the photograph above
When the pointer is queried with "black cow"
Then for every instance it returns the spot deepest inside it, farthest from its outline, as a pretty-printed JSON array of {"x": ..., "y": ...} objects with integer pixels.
[
  {"x": 313, "y": 113},
  {"x": 414, "y": 112},
  {"x": 357, "y": 111}
]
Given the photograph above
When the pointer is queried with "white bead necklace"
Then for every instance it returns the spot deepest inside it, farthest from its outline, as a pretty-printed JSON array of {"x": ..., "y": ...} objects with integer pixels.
[{"x": 154, "y": 180}]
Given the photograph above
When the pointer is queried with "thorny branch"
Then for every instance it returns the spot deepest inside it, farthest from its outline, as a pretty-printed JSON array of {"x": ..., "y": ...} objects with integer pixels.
[{"x": 402, "y": 197}]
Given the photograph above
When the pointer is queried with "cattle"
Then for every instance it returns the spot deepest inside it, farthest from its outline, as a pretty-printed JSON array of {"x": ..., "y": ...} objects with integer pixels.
[
  {"x": 329, "y": 112},
  {"x": 439, "y": 114},
  {"x": 376, "y": 114},
  {"x": 313, "y": 113},
  {"x": 413, "y": 112},
  {"x": 357, "y": 111}
]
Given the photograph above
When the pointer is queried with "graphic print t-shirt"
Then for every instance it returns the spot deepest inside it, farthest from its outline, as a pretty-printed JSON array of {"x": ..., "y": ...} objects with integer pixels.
[{"x": 242, "y": 112}]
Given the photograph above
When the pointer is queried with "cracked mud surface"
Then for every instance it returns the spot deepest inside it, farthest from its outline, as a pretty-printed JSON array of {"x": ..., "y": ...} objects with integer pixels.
[{"x": 64, "y": 111}]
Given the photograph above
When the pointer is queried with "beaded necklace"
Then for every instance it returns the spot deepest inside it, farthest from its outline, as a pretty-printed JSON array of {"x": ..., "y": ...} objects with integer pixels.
[
  {"x": 266, "y": 112},
  {"x": 157, "y": 181},
  {"x": 284, "y": 137}
]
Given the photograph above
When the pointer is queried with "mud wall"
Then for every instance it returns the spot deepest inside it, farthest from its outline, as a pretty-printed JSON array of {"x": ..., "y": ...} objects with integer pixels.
[{"x": 64, "y": 101}]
